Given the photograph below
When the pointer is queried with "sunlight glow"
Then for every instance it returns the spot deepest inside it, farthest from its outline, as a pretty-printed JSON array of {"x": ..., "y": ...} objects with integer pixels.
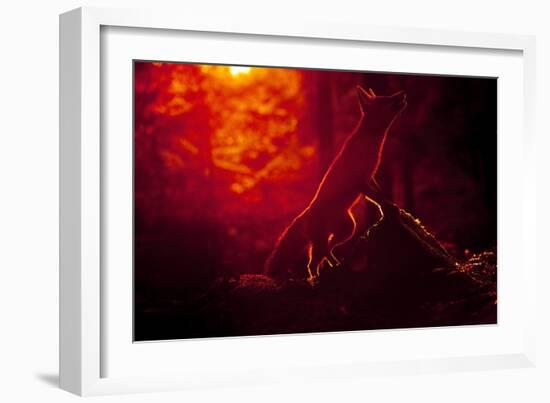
[{"x": 236, "y": 70}]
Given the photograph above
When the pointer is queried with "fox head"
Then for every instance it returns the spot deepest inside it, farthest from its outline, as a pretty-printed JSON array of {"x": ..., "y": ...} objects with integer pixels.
[{"x": 380, "y": 111}]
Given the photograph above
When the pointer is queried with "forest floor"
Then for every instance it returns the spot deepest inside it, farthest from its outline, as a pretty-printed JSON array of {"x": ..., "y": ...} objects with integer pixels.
[{"x": 397, "y": 276}]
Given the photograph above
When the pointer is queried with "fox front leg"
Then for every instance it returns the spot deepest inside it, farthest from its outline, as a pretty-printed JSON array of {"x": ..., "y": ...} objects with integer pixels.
[
  {"x": 332, "y": 260},
  {"x": 344, "y": 230},
  {"x": 373, "y": 191}
]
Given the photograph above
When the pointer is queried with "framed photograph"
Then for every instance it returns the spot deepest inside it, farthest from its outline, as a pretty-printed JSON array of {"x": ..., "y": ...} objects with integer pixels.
[{"x": 242, "y": 203}]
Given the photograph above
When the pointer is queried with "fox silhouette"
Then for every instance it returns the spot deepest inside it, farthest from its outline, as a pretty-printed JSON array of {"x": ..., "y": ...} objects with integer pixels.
[{"x": 327, "y": 221}]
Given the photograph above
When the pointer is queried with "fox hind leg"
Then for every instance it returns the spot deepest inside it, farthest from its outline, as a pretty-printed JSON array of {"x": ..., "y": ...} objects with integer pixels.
[
  {"x": 314, "y": 260},
  {"x": 318, "y": 253}
]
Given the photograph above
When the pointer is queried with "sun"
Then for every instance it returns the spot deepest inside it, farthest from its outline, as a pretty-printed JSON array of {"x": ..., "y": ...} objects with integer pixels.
[{"x": 236, "y": 70}]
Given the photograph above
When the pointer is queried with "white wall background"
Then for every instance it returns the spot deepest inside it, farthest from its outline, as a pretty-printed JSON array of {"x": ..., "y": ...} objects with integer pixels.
[{"x": 29, "y": 198}]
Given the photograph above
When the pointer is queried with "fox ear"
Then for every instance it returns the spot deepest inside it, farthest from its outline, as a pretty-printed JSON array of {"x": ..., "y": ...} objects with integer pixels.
[{"x": 365, "y": 99}]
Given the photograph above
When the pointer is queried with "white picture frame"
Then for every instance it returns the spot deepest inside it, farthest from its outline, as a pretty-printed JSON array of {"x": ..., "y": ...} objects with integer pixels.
[{"x": 85, "y": 343}]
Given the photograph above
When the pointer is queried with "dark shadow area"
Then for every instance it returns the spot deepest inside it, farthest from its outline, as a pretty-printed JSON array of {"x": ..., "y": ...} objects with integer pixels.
[{"x": 414, "y": 284}]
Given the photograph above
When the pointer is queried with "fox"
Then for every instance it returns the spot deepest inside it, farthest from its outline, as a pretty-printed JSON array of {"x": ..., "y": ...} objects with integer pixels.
[{"x": 328, "y": 222}]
